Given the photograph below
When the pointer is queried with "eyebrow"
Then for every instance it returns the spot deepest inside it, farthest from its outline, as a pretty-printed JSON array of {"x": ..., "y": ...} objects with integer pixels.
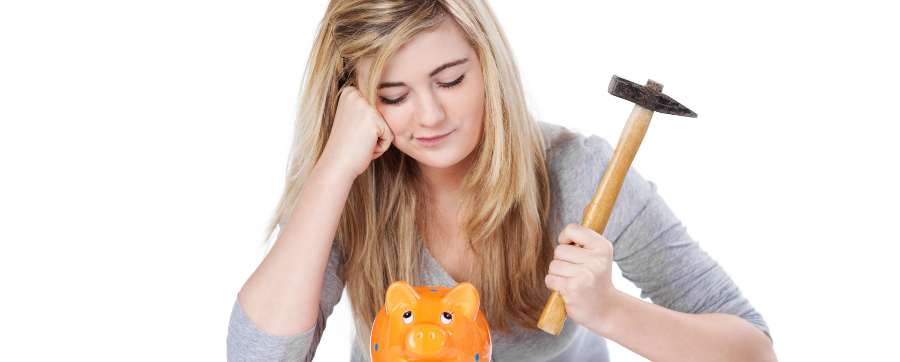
[{"x": 433, "y": 72}]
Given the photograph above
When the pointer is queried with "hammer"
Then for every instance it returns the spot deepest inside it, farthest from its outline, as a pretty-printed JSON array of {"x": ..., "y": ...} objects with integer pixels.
[{"x": 647, "y": 99}]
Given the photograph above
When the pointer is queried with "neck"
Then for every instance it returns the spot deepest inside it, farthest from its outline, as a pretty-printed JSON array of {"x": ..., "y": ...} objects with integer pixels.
[
  {"x": 442, "y": 188},
  {"x": 443, "y": 184}
]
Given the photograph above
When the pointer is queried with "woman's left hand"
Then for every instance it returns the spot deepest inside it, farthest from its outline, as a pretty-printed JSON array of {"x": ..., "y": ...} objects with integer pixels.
[{"x": 583, "y": 275}]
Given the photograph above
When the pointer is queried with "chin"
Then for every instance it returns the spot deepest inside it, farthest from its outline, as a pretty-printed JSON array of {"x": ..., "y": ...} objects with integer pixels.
[{"x": 437, "y": 159}]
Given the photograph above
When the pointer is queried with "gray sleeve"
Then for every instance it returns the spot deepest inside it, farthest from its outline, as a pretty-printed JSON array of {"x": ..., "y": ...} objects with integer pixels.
[
  {"x": 246, "y": 342},
  {"x": 651, "y": 246}
]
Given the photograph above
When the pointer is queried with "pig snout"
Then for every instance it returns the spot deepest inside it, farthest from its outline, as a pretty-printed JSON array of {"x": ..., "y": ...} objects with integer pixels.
[{"x": 426, "y": 340}]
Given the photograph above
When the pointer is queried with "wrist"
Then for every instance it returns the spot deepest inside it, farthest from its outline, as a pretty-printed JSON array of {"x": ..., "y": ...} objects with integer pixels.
[
  {"x": 610, "y": 319},
  {"x": 333, "y": 175}
]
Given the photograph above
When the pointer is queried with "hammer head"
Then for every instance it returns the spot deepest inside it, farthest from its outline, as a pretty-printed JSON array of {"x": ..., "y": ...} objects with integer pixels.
[{"x": 649, "y": 96}]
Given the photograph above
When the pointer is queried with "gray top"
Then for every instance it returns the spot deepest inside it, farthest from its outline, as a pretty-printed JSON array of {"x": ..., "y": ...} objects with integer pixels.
[{"x": 651, "y": 247}]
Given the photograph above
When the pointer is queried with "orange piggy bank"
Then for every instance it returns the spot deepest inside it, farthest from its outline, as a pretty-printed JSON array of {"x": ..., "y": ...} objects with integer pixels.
[{"x": 430, "y": 323}]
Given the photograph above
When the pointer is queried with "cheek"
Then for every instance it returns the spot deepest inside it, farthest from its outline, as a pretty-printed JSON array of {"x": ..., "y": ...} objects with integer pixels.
[
  {"x": 398, "y": 120},
  {"x": 468, "y": 103},
  {"x": 476, "y": 97}
]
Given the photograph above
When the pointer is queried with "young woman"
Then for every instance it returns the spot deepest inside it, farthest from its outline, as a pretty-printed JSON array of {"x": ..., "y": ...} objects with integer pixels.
[{"x": 474, "y": 189}]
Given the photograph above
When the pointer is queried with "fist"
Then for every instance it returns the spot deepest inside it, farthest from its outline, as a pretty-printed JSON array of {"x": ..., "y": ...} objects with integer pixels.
[
  {"x": 581, "y": 271},
  {"x": 358, "y": 135}
]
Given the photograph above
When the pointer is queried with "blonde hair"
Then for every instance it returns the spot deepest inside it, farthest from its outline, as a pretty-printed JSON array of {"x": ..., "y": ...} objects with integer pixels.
[{"x": 506, "y": 195}]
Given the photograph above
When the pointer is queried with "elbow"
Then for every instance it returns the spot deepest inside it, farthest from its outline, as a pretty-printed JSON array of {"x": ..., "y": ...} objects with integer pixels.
[
  {"x": 765, "y": 351},
  {"x": 749, "y": 341},
  {"x": 759, "y": 346}
]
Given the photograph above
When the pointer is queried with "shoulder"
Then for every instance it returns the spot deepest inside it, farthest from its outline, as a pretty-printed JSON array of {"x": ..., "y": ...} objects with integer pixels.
[
  {"x": 576, "y": 162},
  {"x": 571, "y": 153}
]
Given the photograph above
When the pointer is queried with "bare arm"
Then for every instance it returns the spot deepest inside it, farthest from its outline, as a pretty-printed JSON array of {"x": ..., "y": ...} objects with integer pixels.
[
  {"x": 661, "y": 334},
  {"x": 698, "y": 311},
  {"x": 282, "y": 296}
]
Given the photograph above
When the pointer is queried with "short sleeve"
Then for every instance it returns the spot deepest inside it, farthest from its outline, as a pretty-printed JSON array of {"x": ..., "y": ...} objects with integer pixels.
[
  {"x": 246, "y": 342},
  {"x": 651, "y": 246}
]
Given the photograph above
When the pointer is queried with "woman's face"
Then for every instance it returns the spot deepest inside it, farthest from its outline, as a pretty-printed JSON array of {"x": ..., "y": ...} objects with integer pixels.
[{"x": 432, "y": 86}]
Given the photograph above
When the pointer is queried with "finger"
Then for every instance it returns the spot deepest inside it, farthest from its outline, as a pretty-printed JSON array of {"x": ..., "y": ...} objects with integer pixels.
[
  {"x": 379, "y": 149},
  {"x": 557, "y": 283},
  {"x": 582, "y": 236},
  {"x": 386, "y": 133},
  {"x": 564, "y": 268},
  {"x": 384, "y": 139},
  {"x": 380, "y": 143},
  {"x": 344, "y": 90},
  {"x": 572, "y": 254}
]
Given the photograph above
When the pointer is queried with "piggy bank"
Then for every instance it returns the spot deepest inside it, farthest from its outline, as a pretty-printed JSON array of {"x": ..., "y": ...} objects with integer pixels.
[{"x": 430, "y": 323}]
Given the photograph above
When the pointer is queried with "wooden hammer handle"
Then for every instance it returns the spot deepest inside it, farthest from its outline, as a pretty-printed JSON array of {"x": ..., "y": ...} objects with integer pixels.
[{"x": 596, "y": 214}]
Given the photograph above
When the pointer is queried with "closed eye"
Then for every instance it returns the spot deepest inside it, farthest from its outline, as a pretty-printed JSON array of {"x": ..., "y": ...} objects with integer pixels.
[{"x": 442, "y": 85}]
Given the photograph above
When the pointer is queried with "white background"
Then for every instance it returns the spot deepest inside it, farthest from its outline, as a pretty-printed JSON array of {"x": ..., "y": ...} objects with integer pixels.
[{"x": 143, "y": 146}]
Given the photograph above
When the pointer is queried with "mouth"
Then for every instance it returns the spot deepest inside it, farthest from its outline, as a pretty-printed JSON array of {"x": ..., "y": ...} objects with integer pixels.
[{"x": 430, "y": 141}]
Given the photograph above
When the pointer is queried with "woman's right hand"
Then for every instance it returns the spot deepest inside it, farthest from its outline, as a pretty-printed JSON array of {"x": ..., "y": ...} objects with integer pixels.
[{"x": 358, "y": 135}]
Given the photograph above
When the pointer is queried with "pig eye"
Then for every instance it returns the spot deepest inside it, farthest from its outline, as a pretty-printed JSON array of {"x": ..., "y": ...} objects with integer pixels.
[
  {"x": 407, "y": 317},
  {"x": 446, "y": 317}
]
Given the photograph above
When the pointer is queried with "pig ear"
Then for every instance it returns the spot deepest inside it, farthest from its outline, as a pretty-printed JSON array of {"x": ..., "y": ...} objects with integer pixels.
[
  {"x": 465, "y": 297},
  {"x": 400, "y": 294}
]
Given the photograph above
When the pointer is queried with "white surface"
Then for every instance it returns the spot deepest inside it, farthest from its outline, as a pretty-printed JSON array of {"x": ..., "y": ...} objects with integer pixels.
[{"x": 142, "y": 149}]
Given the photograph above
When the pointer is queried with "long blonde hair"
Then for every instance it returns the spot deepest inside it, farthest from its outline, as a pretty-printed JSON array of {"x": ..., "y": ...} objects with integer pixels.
[{"x": 506, "y": 195}]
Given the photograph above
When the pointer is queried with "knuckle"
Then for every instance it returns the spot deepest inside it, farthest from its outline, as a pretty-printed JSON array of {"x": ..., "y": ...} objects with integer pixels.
[
  {"x": 345, "y": 92},
  {"x": 351, "y": 95},
  {"x": 566, "y": 286},
  {"x": 602, "y": 267},
  {"x": 584, "y": 276},
  {"x": 560, "y": 249},
  {"x": 596, "y": 268},
  {"x": 588, "y": 276},
  {"x": 550, "y": 282}
]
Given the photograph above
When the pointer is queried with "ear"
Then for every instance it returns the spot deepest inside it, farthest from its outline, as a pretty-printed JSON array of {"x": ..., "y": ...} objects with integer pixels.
[
  {"x": 465, "y": 297},
  {"x": 398, "y": 295}
]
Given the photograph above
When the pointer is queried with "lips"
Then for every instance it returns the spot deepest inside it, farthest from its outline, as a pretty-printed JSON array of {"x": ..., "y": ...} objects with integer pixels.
[
  {"x": 433, "y": 138},
  {"x": 434, "y": 141}
]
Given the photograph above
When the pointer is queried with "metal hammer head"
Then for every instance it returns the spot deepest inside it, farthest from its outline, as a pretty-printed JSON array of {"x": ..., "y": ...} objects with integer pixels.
[{"x": 649, "y": 96}]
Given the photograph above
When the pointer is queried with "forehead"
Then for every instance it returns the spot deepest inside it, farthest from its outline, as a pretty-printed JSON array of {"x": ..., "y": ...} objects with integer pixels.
[{"x": 424, "y": 52}]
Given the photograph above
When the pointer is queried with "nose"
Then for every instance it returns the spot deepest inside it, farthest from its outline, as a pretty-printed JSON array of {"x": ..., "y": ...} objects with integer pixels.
[
  {"x": 431, "y": 111},
  {"x": 426, "y": 340}
]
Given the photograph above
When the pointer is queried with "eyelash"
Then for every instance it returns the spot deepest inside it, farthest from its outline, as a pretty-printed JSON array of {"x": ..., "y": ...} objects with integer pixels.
[{"x": 442, "y": 85}]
